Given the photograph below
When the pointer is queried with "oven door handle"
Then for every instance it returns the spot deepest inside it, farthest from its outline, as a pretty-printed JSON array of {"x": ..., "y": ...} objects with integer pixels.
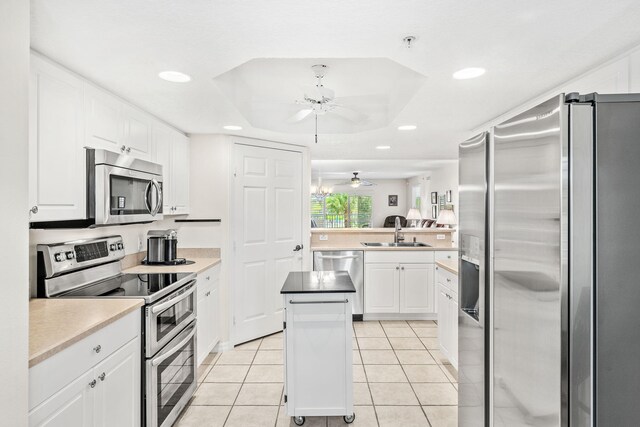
[
  {"x": 156, "y": 186},
  {"x": 173, "y": 301},
  {"x": 162, "y": 358}
]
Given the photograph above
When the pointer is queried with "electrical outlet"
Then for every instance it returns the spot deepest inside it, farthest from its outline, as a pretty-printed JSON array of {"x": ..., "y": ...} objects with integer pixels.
[
  {"x": 440, "y": 236},
  {"x": 140, "y": 242},
  {"x": 324, "y": 237}
]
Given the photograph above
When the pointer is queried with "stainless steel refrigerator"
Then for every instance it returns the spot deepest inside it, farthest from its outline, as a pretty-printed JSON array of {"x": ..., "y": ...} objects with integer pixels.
[{"x": 562, "y": 345}]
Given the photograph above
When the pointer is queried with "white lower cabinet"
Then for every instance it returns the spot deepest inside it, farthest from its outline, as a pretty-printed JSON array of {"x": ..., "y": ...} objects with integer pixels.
[
  {"x": 399, "y": 288},
  {"x": 448, "y": 314},
  {"x": 208, "y": 334},
  {"x": 91, "y": 383}
]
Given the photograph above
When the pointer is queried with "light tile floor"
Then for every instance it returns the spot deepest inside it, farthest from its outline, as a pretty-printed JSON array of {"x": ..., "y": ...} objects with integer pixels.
[{"x": 400, "y": 379}]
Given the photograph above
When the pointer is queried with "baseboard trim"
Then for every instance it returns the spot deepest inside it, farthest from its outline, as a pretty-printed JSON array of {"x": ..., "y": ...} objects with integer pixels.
[{"x": 222, "y": 346}]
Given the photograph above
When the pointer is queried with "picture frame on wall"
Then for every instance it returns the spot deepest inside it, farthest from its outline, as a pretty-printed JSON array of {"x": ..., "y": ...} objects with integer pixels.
[
  {"x": 448, "y": 193},
  {"x": 434, "y": 197},
  {"x": 434, "y": 211},
  {"x": 393, "y": 200}
]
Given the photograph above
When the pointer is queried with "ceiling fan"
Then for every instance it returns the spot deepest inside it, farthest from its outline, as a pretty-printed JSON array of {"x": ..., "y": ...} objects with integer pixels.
[
  {"x": 320, "y": 100},
  {"x": 356, "y": 182}
]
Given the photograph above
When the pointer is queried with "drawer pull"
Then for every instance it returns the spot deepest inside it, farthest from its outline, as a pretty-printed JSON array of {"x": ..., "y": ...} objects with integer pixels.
[
  {"x": 102, "y": 376},
  {"x": 448, "y": 280},
  {"x": 97, "y": 348},
  {"x": 92, "y": 384},
  {"x": 208, "y": 277}
]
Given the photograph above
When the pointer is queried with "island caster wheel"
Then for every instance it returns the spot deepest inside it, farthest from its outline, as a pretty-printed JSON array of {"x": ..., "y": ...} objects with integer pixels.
[
  {"x": 349, "y": 418},
  {"x": 299, "y": 420}
]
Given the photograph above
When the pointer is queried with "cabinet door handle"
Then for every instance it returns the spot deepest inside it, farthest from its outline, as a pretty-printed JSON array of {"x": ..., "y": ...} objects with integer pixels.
[
  {"x": 34, "y": 210},
  {"x": 128, "y": 150},
  {"x": 208, "y": 278},
  {"x": 97, "y": 348},
  {"x": 448, "y": 280},
  {"x": 101, "y": 376},
  {"x": 123, "y": 148},
  {"x": 207, "y": 294},
  {"x": 402, "y": 267},
  {"x": 92, "y": 384},
  {"x": 397, "y": 268}
]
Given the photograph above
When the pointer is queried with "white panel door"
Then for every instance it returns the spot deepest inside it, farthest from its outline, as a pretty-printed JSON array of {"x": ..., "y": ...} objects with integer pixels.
[
  {"x": 105, "y": 123},
  {"x": 70, "y": 407},
  {"x": 381, "y": 288},
  {"x": 57, "y": 172},
  {"x": 162, "y": 144},
  {"x": 137, "y": 133},
  {"x": 117, "y": 400},
  {"x": 416, "y": 288},
  {"x": 180, "y": 175},
  {"x": 268, "y": 227}
]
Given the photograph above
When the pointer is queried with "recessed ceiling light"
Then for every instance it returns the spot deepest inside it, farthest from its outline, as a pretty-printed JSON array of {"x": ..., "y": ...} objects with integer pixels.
[
  {"x": 407, "y": 127},
  {"x": 383, "y": 147},
  {"x": 468, "y": 73},
  {"x": 232, "y": 127},
  {"x": 174, "y": 76}
]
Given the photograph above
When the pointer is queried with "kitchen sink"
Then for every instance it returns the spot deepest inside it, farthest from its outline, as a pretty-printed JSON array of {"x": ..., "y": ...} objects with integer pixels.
[{"x": 397, "y": 245}]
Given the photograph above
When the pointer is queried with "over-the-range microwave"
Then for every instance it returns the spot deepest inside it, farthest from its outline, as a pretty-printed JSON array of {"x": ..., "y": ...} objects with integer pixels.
[{"x": 120, "y": 190}]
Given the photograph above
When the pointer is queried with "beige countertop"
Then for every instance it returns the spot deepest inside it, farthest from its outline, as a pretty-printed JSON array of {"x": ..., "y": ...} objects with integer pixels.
[
  {"x": 378, "y": 248},
  {"x": 380, "y": 230},
  {"x": 200, "y": 265},
  {"x": 449, "y": 265},
  {"x": 57, "y": 323}
]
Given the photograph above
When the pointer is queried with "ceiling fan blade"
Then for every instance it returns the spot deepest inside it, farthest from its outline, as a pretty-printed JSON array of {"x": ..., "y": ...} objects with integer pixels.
[
  {"x": 348, "y": 113},
  {"x": 300, "y": 115},
  {"x": 325, "y": 92}
]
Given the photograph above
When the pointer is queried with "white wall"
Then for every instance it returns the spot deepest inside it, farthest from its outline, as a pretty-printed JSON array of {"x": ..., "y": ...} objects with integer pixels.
[
  {"x": 380, "y": 197},
  {"x": 14, "y": 334}
]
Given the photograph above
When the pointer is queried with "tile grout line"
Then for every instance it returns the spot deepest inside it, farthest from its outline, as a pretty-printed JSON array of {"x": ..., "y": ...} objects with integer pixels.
[
  {"x": 405, "y": 373},
  {"x": 366, "y": 377}
]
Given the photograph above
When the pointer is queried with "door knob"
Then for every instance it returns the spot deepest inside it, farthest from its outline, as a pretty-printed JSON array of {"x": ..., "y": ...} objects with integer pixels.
[{"x": 297, "y": 248}]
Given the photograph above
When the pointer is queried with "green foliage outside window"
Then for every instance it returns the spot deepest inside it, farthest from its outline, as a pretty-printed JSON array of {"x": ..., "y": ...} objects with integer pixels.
[{"x": 341, "y": 210}]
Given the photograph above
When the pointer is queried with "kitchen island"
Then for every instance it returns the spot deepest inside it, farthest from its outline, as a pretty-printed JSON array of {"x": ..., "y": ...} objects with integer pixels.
[{"x": 318, "y": 345}]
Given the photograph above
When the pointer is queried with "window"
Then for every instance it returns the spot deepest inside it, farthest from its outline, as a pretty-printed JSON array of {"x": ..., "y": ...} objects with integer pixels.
[{"x": 341, "y": 210}]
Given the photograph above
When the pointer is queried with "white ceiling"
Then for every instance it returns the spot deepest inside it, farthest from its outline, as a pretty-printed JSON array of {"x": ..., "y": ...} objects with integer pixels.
[
  {"x": 373, "y": 169},
  {"x": 526, "y": 47}
]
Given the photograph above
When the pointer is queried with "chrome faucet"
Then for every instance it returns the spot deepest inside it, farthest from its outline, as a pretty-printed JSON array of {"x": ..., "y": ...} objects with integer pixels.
[{"x": 397, "y": 237}]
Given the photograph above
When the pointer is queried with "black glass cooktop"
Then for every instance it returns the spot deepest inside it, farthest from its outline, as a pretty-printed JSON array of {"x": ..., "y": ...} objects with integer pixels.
[{"x": 133, "y": 285}]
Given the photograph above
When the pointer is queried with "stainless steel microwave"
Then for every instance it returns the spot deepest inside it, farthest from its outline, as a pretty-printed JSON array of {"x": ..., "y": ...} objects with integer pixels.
[{"x": 122, "y": 189}]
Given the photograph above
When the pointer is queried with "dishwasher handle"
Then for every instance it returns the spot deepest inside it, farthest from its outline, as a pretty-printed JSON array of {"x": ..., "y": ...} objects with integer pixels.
[
  {"x": 344, "y": 301},
  {"x": 338, "y": 256}
]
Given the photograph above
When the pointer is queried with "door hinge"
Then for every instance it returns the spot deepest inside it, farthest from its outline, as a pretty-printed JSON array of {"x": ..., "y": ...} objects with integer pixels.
[
  {"x": 285, "y": 398},
  {"x": 284, "y": 325}
]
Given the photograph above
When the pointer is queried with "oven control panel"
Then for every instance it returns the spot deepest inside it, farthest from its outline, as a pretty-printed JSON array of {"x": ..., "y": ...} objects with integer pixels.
[{"x": 69, "y": 256}]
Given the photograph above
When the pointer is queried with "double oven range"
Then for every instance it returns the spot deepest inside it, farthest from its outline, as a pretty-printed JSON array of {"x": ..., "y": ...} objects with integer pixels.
[{"x": 91, "y": 269}]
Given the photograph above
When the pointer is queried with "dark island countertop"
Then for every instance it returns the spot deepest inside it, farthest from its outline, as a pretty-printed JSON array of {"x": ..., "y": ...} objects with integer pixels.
[{"x": 310, "y": 282}]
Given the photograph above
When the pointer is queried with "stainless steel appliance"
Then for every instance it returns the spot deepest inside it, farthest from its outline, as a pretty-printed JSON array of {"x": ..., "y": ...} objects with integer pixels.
[
  {"x": 91, "y": 269},
  {"x": 162, "y": 248},
  {"x": 473, "y": 316},
  {"x": 122, "y": 189},
  {"x": 351, "y": 261},
  {"x": 564, "y": 328}
]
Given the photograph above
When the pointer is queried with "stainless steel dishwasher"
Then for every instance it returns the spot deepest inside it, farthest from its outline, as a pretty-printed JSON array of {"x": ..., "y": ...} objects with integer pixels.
[{"x": 351, "y": 261}]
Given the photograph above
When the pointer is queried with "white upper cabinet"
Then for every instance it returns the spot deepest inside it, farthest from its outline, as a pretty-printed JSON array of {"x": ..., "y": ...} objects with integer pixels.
[
  {"x": 57, "y": 172},
  {"x": 171, "y": 150},
  {"x": 105, "y": 123},
  {"x": 180, "y": 175},
  {"x": 67, "y": 114},
  {"x": 137, "y": 133}
]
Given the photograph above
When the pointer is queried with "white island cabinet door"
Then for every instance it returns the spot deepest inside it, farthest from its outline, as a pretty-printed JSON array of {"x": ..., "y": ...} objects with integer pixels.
[
  {"x": 382, "y": 290},
  {"x": 73, "y": 406},
  {"x": 117, "y": 401},
  {"x": 417, "y": 292}
]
